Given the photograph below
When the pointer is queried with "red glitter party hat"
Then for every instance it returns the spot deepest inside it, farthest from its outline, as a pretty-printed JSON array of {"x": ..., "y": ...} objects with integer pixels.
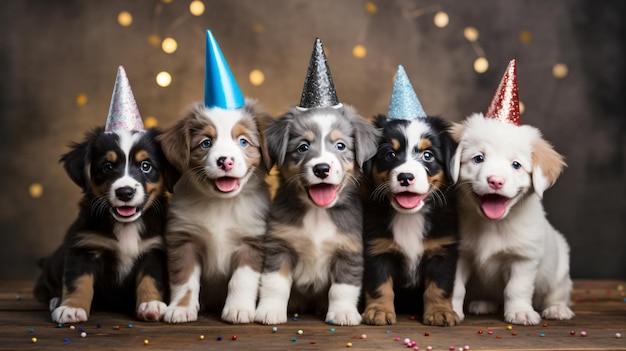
[{"x": 505, "y": 104}]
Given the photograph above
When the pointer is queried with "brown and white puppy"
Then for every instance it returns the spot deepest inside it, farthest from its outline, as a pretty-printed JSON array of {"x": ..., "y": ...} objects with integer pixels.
[
  {"x": 113, "y": 255},
  {"x": 313, "y": 247},
  {"x": 218, "y": 212},
  {"x": 508, "y": 247}
]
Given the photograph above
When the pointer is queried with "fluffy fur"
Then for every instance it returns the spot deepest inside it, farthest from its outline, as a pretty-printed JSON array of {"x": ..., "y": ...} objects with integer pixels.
[
  {"x": 218, "y": 212},
  {"x": 507, "y": 244},
  {"x": 410, "y": 223},
  {"x": 112, "y": 256},
  {"x": 313, "y": 251}
]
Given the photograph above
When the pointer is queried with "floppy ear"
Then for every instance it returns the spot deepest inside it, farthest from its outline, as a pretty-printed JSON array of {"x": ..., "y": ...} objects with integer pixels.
[
  {"x": 547, "y": 165},
  {"x": 379, "y": 122},
  {"x": 366, "y": 139},
  {"x": 76, "y": 162},
  {"x": 262, "y": 120},
  {"x": 176, "y": 143},
  {"x": 456, "y": 133},
  {"x": 277, "y": 139},
  {"x": 171, "y": 175}
]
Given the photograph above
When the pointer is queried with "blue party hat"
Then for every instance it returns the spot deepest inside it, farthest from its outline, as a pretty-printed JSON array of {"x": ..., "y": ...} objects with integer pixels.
[
  {"x": 220, "y": 88},
  {"x": 404, "y": 103},
  {"x": 319, "y": 89},
  {"x": 123, "y": 111}
]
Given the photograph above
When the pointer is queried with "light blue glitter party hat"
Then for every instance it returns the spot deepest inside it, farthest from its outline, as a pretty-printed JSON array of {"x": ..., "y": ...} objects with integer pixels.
[
  {"x": 123, "y": 111},
  {"x": 220, "y": 88},
  {"x": 404, "y": 103}
]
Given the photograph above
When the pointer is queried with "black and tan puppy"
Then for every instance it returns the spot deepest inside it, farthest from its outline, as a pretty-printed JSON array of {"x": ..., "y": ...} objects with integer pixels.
[{"x": 112, "y": 256}]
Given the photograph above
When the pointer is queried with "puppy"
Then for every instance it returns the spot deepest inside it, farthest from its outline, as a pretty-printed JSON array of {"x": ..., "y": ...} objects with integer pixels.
[
  {"x": 314, "y": 240},
  {"x": 113, "y": 255},
  {"x": 507, "y": 244},
  {"x": 410, "y": 223},
  {"x": 218, "y": 212}
]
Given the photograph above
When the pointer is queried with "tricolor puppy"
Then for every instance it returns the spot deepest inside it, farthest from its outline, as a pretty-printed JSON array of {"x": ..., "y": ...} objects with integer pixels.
[
  {"x": 217, "y": 217},
  {"x": 314, "y": 241},
  {"x": 508, "y": 247},
  {"x": 410, "y": 223},
  {"x": 113, "y": 255}
]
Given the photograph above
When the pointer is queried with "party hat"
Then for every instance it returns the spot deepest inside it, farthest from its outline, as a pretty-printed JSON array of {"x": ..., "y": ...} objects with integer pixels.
[
  {"x": 220, "y": 88},
  {"x": 123, "y": 111},
  {"x": 505, "y": 104},
  {"x": 319, "y": 89},
  {"x": 404, "y": 103}
]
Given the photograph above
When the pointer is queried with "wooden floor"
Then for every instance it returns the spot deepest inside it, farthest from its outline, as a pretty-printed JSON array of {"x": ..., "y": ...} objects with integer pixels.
[{"x": 600, "y": 308}]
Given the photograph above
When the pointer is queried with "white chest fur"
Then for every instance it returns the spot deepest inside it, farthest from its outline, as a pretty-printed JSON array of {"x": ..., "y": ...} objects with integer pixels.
[{"x": 408, "y": 233}]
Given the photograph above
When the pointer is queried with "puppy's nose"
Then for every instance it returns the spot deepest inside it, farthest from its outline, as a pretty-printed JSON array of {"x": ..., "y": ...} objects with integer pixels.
[
  {"x": 125, "y": 193},
  {"x": 321, "y": 170},
  {"x": 225, "y": 163},
  {"x": 406, "y": 179},
  {"x": 495, "y": 182}
]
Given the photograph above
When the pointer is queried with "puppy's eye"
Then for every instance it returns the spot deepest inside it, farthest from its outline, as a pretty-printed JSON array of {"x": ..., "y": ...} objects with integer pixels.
[
  {"x": 516, "y": 165},
  {"x": 428, "y": 156},
  {"x": 478, "y": 159},
  {"x": 206, "y": 143},
  {"x": 107, "y": 168},
  {"x": 303, "y": 147},
  {"x": 340, "y": 146},
  {"x": 243, "y": 142},
  {"x": 145, "y": 166},
  {"x": 390, "y": 155}
]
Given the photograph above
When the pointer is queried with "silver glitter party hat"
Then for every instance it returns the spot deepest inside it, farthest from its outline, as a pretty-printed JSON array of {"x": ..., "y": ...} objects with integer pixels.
[
  {"x": 123, "y": 111},
  {"x": 319, "y": 89}
]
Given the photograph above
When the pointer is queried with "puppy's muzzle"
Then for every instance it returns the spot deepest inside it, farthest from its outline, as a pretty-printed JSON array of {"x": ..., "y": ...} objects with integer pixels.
[
  {"x": 225, "y": 163},
  {"x": 321, "y": 170},
  {"x": 405, "y": 179},
  {"x": 125, "y": 193}
]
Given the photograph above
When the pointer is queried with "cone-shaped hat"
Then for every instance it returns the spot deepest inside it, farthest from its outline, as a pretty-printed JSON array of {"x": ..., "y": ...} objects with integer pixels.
[
  {"x": 404, "y": 103},
  {"x": 123, "y": 112},
  {"x": 319, "y": 89},
  {"x": 505, "y": 104},
  {"x": 220, "y": 88}
]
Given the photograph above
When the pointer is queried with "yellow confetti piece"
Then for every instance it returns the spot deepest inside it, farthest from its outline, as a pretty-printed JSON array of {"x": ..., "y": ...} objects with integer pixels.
[
  {"x": 169, "y": 45},
  {"x": 81, "y": 99},
  {"x": 359, "y": 51},
  {"x": 371, "y": 7},
  {"x": 125, "y": 19},
  {"x": 257, "y": 77},
  {"x": 481, "y": 65},
  {"x": 525, "y": 36},
  {"x": 560, "y": 70},
  {"x": 441, "y": 19},
  {"x": 35, "y": 190},
  {"x": 150, "y": 122},
  {"x": 196, "y": 8}
]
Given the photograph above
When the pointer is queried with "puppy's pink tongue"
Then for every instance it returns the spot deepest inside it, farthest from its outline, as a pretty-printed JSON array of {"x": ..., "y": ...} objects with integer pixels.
[
  {"x": 126, "y": 211},
  {"x": 409, "y": 200},
  {"x": 493, "y": 206},
  {"x": 226, "y": 184},
  {"x": 323, "y": 194}
]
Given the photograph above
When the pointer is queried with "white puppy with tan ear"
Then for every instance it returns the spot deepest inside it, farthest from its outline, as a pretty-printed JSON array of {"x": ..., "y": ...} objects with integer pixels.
[{"x": 510, "y": 255}]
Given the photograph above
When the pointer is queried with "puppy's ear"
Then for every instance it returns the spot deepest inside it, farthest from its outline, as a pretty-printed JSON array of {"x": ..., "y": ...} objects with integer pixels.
[
  {"x": 379, "y": 123},
  {"x": 366, "y": 139},
  {"x": 547, "y": 165},
  {"x": 277, "y": 139},
  {"x": 176, "y": 143},
  {"x": 76, "y": 162},
  {"x": 456, "y": 132},
  {"x": 262, "y": 120},
  {"x": 171, "y": 175}
]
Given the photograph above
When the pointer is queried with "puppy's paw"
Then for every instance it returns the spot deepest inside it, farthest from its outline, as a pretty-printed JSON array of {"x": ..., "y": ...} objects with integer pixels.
[
  {"x": 54, "y": 303},
  {"x": 238, "y": 314},
  {"x": 181, "y": 314},
  {"x": 348, "y": 316},
  {"x": 529, "y": 317},
  {"x": 374, "y": 316},
  {"x": 559, "y": 312},
  {"x": 482, "y": 307},
  {"x": 444, "y": 318},
  {"x": 265, "y": 315},
  {"x": 151, "y": 311},
  {"x": 66, "y": 314}
]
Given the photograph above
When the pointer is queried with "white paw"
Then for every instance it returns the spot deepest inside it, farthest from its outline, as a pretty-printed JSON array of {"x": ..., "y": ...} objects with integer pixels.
[
  {"x": 151, "y": 311},
  {"x": 268, "y": 316},
  {"x": 181, "y": 314},
  {"x": 54, "y": 303},
  {"x": 348, "y": 316},
  {"x": 65, "y": 314},
  {"x": 522, "y": 317},
  {"x": 238, "y": 314},
  {"x": 482, "y": 307},
  {"x": 559, "y": 312}
]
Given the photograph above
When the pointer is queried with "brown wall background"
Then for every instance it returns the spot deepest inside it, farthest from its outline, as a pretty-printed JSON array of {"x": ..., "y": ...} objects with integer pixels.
[{"x": 53, "y": 50}]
